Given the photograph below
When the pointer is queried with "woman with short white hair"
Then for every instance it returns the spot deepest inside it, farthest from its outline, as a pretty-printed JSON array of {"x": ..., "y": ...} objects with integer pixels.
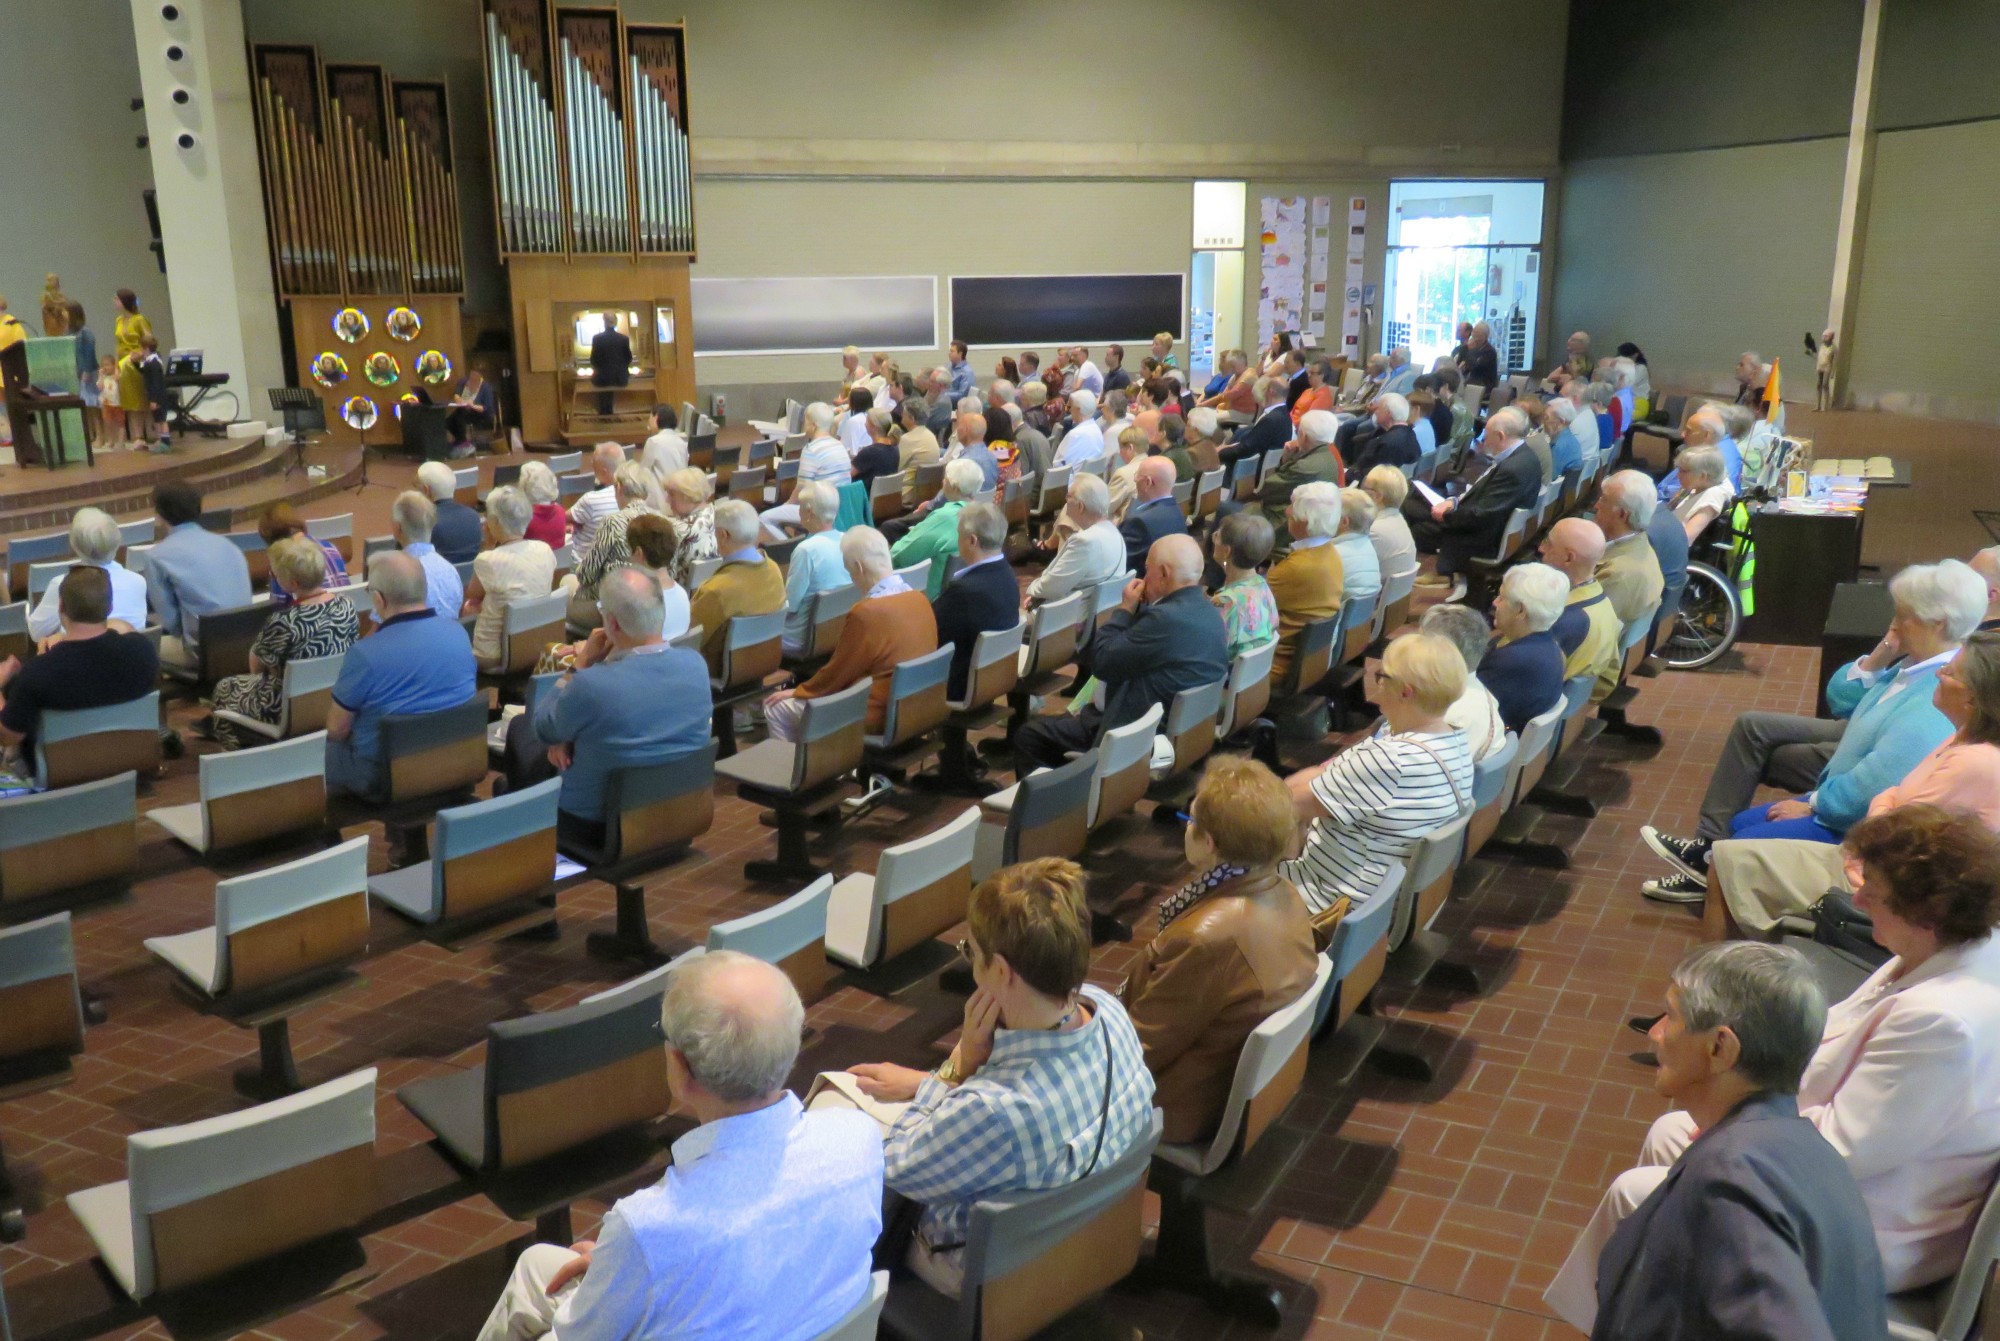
[
  {"x": 690, "y": 495},
  {"x": 1704, "y": 494},
  {"x": 94, "y": 540},
  {"x": 1360, "y": 565},
  {"x": 1395, "y": 547},
  {"x": 550, "y": 524},
  {"x": 515, "y": 568},
  {"x": 1524, "y": 666}
]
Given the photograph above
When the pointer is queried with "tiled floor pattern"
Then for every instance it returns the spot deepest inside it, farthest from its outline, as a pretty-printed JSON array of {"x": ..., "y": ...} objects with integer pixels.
[{"x": 1435, "y": 1210}]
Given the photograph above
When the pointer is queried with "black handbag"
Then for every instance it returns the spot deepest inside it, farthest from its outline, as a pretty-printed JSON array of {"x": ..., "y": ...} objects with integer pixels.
[{"x": 1838, "y": 923}]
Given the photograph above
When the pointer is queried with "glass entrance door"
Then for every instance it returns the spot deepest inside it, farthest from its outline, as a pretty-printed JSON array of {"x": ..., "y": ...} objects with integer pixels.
[{"x": 1463, "y": 252}]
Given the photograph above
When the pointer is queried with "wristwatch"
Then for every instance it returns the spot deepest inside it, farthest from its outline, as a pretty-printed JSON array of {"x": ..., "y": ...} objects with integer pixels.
[{"x": 949, "y": 1074}]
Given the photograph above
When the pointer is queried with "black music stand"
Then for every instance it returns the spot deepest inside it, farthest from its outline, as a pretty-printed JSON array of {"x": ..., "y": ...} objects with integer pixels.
[{"x": 304, "y": 413}]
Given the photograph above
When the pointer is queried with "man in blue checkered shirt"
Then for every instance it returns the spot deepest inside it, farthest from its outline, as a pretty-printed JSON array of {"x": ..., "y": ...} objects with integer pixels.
[{"x": 1048, "y": 1082}]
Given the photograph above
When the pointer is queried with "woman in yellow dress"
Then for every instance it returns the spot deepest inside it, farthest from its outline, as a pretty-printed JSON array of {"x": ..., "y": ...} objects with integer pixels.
[{"x": 130, "y": 329}]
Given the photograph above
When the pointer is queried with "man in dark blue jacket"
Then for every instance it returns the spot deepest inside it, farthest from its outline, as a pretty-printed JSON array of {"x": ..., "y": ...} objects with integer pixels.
[
  {"x": 1472, "y": 523},
  {"x": 1154, "y": 512},
  {"x": 1166, "y": 636},
  {"x": 1269, "y": 431},
  {"x": 1757, "y": 1230},
  {"x": 982, "y": 596}
]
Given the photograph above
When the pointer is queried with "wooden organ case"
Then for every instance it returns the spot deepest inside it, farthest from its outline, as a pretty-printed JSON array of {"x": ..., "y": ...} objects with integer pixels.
[
  {"x": 361, "y": 204},
  {"x": 594, "y": 206}
]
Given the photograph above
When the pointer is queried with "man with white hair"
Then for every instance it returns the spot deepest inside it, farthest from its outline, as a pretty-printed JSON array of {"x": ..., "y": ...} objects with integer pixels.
[
  {"x": 968, "y": 432},
  {"x": 1307, "y": 582},
  {"x": 1481, "y": 364},
  {"x": 1576, "y": 360},
  {"x": 1630, "y": 570},
  {"x": 850, "y": 369},
  {"x": 94, "y": 540},
  {"x": 459, "y": 530},
  {"x": 1588, "y": 630},
  {"x": 1583, "y": 422},
  {"x": 1309, "y": 457},
  {"x": 593, "y": 507},
  {"x": 1271, "y": 429},
  {"x": 936, "y": 536},
  {"x": 1114, "y": 413},
  {"x": 983, "y": 595},
  {"x": 1565, "y": 452},
  {"x": 815, "y": 564},
  {"x": 937, "y": 390},
  {"x": 1524, "y": 666},
  {"x": 765, "y": 1222},
  {"x": 1154, "y": 513},
  {"x": 747, "y": 583},
  {"x": 1165, "y": 636},
  {"x": 1202, "y": 444},
  {"x": 412, "y": 518},
  {"x": 415, "y": 662},
  {"x": 1391, "y": 443},
  {"x": 515, "y": 569},
  {"x": 1475, "y": 711},
  {"x": 584, "y": 725},
  {"x": 1031, "y": 445},
  {"x": 1001, "y": 393},
  {"x": 889, "y": 624},
  {"x": 1093, "y": 552},
  {"x": 1402, "y": 378},
  {"x": 1752, "y": 376},
  {"x": 1084, "y": 443},
  {"x": 1706, "y": 427},
  {"x": 1456, "y": 529},
  {"x": 824, "y": 459}
]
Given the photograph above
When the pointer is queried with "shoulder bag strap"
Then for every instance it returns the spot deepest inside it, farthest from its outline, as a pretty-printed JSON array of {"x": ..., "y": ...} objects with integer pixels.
[
  {"x": 1104, "y": 1110},
  {"x": 1457, "y": 797}
]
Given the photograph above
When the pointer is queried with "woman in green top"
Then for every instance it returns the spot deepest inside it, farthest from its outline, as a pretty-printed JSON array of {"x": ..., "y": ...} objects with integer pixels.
[{"x": 1249, "y": 612}]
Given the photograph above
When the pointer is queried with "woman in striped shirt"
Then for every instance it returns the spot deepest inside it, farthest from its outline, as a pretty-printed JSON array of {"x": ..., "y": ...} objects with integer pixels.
[{"x": 1372, "y": 803}]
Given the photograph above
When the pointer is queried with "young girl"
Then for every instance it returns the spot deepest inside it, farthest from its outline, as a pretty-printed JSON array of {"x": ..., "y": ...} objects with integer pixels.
[{"x": 109, "y": 406}]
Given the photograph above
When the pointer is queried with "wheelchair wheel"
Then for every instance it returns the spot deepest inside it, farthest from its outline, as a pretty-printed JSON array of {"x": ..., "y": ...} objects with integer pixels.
[{"x": 1711, "y": 616}]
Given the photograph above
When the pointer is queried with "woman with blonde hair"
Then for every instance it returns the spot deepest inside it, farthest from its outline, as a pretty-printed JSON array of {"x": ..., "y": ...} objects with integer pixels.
[
  {"x": 313, "y": 622},
  {"x": 1373, "y": 802},
  {"x": 637, "y": 492},
  {"x": 1395, "y": 547},
  {"x": 1234, "y": 945},
  {"x": 690, "y": 511}
]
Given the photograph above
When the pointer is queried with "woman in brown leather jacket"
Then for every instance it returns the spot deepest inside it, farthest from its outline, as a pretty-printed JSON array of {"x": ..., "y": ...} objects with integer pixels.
[{"x": 1234, "y": 946}]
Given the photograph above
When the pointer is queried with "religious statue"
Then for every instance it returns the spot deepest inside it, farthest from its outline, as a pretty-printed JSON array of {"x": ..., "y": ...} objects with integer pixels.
[
  {"x": 55, "y": 307},
  {"x": 1822, "y": 352}
]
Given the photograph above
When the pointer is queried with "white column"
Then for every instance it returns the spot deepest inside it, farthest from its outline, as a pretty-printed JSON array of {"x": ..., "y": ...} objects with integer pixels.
[
  {"x": 204, "y": 152},
  {"x": 1855, "y": 187}
]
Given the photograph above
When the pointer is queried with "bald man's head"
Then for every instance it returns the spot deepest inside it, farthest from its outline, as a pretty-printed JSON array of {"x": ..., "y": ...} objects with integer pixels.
[
  {"x": 1703, "y": 428},
  {"x": 971, "y": 428},
  {"x": 1574, "y": 546},
  {"x": 735, "y": 1024},
  {"x": 1154, "y": 480},
  {"x": 1986, "y": 563},
  {"x": 1172, "y": 563}
]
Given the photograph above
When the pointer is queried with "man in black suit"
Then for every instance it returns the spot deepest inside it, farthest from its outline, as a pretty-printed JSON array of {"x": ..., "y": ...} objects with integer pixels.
[
  {"x": 1481, "y": 364},
  {"x": 1391, "y": 443},
  {"x": 1269, "y": 431},
  {"x": 610, "y": 363},
  {"x": 1472, "y": 523},
  {"x": 1166, "y": 636},
  {"x": 1154, "y": 512},
  {"x": 1758, "y": 1229},
  {"x": 982, "y": 595}
]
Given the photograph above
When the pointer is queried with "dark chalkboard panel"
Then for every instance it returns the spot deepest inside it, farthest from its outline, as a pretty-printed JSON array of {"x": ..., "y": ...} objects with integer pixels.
[{"x": 1008, "y": 310}]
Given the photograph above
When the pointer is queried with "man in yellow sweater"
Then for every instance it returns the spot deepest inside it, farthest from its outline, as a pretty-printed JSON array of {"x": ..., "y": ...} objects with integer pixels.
[
  {"x": 748, "y": 583},
  {"x": 1588, "y": 630},
  {"x": 1307, "y": 582}
]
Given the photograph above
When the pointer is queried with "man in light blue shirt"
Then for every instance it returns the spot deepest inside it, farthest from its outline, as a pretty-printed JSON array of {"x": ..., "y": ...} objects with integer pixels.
[
  {"x": 1085, "y": 442},
  {"x": 1706, "y": 428},
  {"x": 963, "y": 380},
  {"x": 190, "y": 573},
  {"x": 1403, "y": 374},
  {"x": 414, "y": 662},
  {"x": 411, "y": 519},
  {"x": 815, "y": 564},
  {"x": 626, "y": 704},
  {"x": 766, "y": 1221}
]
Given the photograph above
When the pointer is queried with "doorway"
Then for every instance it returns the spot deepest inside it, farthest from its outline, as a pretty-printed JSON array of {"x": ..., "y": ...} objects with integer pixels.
[{"x": 1464, "y": 252}]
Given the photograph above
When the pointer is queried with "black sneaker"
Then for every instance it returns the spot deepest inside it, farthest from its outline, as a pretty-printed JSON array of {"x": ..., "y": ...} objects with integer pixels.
[
  {"x": 1688, "y": 855},
  {"x": 1676, "y": 888}
]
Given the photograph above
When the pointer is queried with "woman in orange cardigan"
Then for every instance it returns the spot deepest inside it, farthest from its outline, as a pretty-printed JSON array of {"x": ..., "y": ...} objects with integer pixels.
[
  {"x": 889, "y": 625},
  {"x": 1318, "y": 394}
]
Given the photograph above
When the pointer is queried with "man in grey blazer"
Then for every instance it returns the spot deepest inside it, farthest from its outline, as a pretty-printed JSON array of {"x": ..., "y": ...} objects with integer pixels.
[{"x": 1758, "y": 1230}]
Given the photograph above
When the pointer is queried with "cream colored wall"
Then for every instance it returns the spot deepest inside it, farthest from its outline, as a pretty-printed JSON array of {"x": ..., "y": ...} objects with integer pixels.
[
  {"x": 1699, "y": 256},
  {"x": 1930, "y": 276},
  {"x": 1376, "y": 248},
  {"x": 806, "y": 227}
]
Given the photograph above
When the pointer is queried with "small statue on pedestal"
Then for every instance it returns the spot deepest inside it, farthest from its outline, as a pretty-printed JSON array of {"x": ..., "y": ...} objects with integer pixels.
[{"x": 55, "y": 307}]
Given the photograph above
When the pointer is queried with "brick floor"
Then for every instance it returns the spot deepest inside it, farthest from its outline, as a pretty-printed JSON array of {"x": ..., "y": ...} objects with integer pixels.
[{"x": 1435, "y": 1210}]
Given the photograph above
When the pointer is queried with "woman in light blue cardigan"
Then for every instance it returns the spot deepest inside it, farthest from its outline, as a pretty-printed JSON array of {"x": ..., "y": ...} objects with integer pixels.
[{"x": 1886, "y": 697}]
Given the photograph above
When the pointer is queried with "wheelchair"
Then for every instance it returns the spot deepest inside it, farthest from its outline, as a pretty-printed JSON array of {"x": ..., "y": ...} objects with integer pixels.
[{"x": 1709, "y": 615}]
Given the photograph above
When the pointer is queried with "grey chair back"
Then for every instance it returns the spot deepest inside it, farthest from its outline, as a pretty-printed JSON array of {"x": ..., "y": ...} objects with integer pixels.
[
  {"x": 79, "y": 837},
  {"x": 432, "y": 753},
  {"x": 917, "y": 703},
  {"x": 557, "y": 1079},
  {"x": 653, "y": 808},
  {"x": 41, "y": 1009},
  {"x": 90, "y": 744},
  {"x": 831, "y": 736},
  {"x": 826, "y": 615}
]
